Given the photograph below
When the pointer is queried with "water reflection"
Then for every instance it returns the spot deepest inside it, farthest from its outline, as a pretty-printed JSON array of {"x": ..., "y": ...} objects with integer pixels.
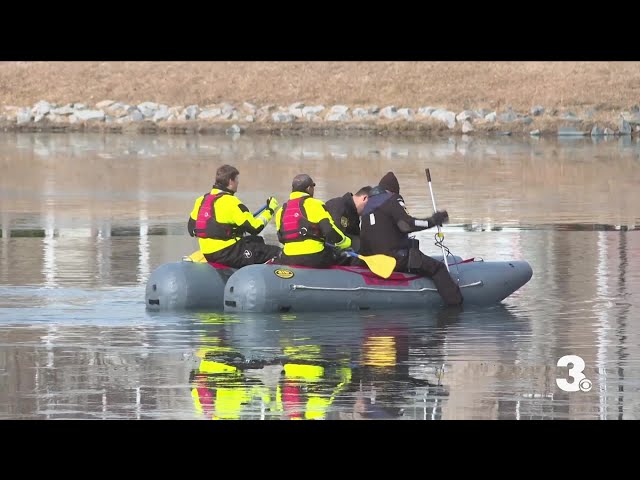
[{"x": 399, "y": 367}]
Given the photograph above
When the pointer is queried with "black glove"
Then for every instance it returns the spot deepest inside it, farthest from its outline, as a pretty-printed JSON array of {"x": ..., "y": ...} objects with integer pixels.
[{"x": 438, "y": 218}]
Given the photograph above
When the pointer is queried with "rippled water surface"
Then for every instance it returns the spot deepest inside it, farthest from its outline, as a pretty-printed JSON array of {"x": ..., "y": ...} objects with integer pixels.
[{"x": 84, "y": 219}]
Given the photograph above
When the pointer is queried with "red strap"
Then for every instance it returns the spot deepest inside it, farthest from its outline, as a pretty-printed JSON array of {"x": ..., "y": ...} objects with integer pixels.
[
  {"x": 218, "y": 265},
  {"x": 464, "y": 261}
]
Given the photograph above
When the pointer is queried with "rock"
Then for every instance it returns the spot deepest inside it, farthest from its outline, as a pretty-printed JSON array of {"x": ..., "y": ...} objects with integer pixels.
[
  {"x": 191, "y": 112},
  {"x": 161, "y": 114},
  {"x": 467, "y": 127},
  {"x": 426, "y": 111},
  {"x": 466, "y": 115},
  {"x": 389, "y": 112},
  {"x": 596, "y": 132},
  {"x": 24, "y": 116},
  {"x": 296, "y": 112},
  {"x": 210, "y": 113},
  {"x": 623, "y": 126},
  {"x": 491, "y": 117},
  {"x": 66, "y": 110},
  {"x": 537, "y": 110},
  {"x": 89, "y": 115},
  {"x": 337, "y": 117},
  {"x": 233, "y": 129},
  {"x": 104, "y": 104},
  {"x": 282, "y": 117},
  {"x": 339, "y": 109},
  {"x": 312, "y": 110},
  {"x": 445, "y": 116},
  {"x": 360, "y": 112},
  {"x": 250, "y": 107},
  {"x": 406, "y": 113},
  {"x": 41, "y": 108},
  {"x": 148, "y": 109},
  {"x": 133, "y": 116},
  {"x": 535, "y": 133}
]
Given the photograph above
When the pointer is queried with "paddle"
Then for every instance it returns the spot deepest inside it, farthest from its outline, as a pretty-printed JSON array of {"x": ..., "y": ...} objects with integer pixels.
[
  {"x": 381, "y": 265},
  {"x": 440, "y": 234},
  {"x": 198, "y": 256}
]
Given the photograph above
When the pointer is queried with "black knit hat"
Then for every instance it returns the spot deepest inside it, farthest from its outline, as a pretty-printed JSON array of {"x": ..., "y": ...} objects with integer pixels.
[{"x": 390, "y": 182}]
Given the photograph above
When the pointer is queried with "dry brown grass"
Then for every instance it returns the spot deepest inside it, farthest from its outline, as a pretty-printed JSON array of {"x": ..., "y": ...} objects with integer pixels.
[{"x": 576, "y": 86}]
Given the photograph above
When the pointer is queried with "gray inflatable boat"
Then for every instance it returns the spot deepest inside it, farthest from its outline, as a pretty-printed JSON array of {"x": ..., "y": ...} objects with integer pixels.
[
  {"x": 280, "y": 288},
  {"x": 187, "y": 285}
]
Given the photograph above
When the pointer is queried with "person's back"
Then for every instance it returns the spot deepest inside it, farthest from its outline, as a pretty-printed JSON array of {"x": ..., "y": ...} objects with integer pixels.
[
  {"x": 305, "y": 227},
  {"x": 220, "y": 221},
  {"x": 345, "y": 212},
  {"x": 385, "y": 229}
]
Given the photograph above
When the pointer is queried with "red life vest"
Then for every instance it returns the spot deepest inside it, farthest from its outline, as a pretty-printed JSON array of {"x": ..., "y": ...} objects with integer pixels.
[
  {"x": 206, "y": 224},
  {"x": 295, "y": 227}
]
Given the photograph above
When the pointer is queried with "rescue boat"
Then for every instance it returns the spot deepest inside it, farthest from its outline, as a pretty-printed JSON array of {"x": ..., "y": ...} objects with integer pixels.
[{"x": 187, "y": 285}]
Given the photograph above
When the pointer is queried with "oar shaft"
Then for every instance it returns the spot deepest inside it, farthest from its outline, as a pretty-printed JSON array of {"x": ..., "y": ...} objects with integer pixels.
[
  {"x": 435, "y": 209},
  {"x": 262, "y": 209}
]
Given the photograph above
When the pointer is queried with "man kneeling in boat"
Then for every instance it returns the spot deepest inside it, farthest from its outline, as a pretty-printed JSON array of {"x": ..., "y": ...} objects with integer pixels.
[
  {"x": 219, "y": 219},
  {"x": 345, "y": 212},
  {"x": 305, "y": 227},
  {"x": 385, "y": 228}
]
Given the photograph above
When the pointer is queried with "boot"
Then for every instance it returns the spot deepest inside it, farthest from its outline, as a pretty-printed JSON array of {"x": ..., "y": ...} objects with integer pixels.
[
  {"x": 437, "y": 271},
  {"x": 447, "y": 288}
]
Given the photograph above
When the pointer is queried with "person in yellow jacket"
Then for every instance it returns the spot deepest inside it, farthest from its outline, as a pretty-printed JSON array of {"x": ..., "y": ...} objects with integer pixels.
[
  {"x": 220, "y": 220},
  {"x": 305, "y": 227}
]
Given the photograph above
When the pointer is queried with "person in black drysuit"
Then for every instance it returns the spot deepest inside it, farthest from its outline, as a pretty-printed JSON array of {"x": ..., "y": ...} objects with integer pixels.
[
  {"x": 345, "y": 212},
  {"x": 384, "y": 230}
]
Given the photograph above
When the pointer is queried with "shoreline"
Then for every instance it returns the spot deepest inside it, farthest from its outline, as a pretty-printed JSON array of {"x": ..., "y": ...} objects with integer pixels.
[{"x": 298, "y": 119}]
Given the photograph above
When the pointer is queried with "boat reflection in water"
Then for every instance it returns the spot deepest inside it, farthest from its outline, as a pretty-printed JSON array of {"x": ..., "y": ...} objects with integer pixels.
[{"x": 299, "y": 367}]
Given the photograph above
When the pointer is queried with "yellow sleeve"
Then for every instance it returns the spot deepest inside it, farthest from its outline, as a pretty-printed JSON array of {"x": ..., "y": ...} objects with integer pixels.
[
  {"x": 236, "y": 213},
  {"x": 196, "y": 207}
]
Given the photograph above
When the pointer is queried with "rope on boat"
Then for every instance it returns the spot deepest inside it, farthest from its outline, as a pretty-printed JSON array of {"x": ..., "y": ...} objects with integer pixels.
[{"x": 373, "y": 289}]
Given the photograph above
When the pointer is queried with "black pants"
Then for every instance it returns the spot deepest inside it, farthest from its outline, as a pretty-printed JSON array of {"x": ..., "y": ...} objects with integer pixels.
[
  {"x": 414, "y": 261},
  {"x": 323, "y": 259},
  {"x": 247, "y": 251}
]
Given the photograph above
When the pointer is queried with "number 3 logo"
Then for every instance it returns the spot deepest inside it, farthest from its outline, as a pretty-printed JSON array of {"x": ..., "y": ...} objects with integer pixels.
[{"x": 580, "y": 382}]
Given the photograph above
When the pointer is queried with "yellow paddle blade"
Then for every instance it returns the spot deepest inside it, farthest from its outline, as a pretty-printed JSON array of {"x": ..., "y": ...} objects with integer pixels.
[
  {"x": 381, "y": 265},
  {"x": 196, "y": 256}
]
